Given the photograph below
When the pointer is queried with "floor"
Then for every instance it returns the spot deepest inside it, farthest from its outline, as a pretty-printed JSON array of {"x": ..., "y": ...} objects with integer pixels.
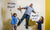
[{"x": 22, "y": 27}]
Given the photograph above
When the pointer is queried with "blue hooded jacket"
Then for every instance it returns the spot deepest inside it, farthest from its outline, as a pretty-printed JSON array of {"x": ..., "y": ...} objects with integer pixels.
[{"x": 14, "y": 20}]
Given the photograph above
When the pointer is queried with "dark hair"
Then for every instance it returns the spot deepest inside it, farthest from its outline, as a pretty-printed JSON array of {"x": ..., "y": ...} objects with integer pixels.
[
  {"x": 14, "y": 14},
  {"x": 42, "y": 19}
]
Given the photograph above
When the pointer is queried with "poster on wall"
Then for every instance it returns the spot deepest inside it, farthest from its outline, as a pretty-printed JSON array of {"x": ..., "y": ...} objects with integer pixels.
[
  {"x": 11, "y": 5},
  {"x": 35, "y": 17}
]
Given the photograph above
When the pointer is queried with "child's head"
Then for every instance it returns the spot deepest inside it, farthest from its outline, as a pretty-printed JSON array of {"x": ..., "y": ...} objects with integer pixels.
[
  {"x": 42, "y": 18},
  {"x": 14, "y": 14}
]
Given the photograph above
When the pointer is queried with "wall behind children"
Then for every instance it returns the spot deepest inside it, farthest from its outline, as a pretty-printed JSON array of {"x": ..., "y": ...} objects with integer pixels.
[{"x": 39, "y": 6}]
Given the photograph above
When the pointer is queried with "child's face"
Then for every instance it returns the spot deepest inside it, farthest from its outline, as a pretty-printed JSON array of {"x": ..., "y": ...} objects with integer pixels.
[
  {"x": 15, "y": 15},
  {"x": 40, "y": 18}
]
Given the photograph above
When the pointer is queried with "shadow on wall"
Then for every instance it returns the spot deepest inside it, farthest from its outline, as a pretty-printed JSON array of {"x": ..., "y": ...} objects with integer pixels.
[{"x": 6, "y": 24}]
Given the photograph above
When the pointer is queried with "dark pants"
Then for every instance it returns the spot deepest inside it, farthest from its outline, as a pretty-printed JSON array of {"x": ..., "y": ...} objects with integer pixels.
[{"x": 27, "y": 20}]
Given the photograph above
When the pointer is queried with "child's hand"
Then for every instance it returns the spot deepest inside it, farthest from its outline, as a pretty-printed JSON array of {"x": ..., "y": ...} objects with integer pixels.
[
  {"x": 11, "y": 12},
  {"x": 10, "y": 9}
]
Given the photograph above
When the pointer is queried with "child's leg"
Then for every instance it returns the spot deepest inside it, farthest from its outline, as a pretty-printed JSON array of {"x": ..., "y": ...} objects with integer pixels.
[
  {"x": 12, "y": 27},
  {"x": 15, "y": 27}
]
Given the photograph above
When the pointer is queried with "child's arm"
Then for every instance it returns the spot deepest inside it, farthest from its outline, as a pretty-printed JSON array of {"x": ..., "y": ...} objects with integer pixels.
[
  {"x": 38, "y": 22},
  {"x": 11, "y": 12}
]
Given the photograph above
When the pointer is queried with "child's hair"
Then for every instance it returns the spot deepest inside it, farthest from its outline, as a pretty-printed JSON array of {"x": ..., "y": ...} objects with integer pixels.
[
  {"x": 42, "y": 19},
  {"x": 14, "y": 14}
]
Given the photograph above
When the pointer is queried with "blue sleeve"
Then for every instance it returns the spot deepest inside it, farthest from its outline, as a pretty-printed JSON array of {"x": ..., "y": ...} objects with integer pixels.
[
  {"x": 39, "y": 22},
  {"x": 13, "y": 18},
  {"x": 26, "y": 7}
]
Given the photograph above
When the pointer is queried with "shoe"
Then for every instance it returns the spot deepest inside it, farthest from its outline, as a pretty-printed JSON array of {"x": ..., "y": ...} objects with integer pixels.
[{"x": 27, "y": 29}]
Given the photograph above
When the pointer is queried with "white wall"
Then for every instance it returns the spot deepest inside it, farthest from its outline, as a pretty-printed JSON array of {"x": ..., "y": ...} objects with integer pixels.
[{"x": 39, "y": 6}]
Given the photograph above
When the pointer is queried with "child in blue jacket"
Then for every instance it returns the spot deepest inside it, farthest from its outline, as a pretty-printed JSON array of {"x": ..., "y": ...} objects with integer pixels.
[
  {"x": 14, "y": 21},
  {"x": 40, "y": 22}
]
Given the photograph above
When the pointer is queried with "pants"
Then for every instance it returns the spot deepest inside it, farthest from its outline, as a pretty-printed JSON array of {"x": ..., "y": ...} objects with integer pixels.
[
  {"x": 14, "y": 27},
  {"x": 27, "y": 20}
]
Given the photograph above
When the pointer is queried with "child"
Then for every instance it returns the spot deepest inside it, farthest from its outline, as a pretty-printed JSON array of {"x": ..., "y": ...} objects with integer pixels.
[
  {"x": 14, "y": 21},
  {"x": 40, "y": 22}
]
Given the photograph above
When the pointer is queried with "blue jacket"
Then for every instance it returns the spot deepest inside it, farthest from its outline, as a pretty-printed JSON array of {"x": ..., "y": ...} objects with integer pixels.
[{"x": 14, "y": 20}]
